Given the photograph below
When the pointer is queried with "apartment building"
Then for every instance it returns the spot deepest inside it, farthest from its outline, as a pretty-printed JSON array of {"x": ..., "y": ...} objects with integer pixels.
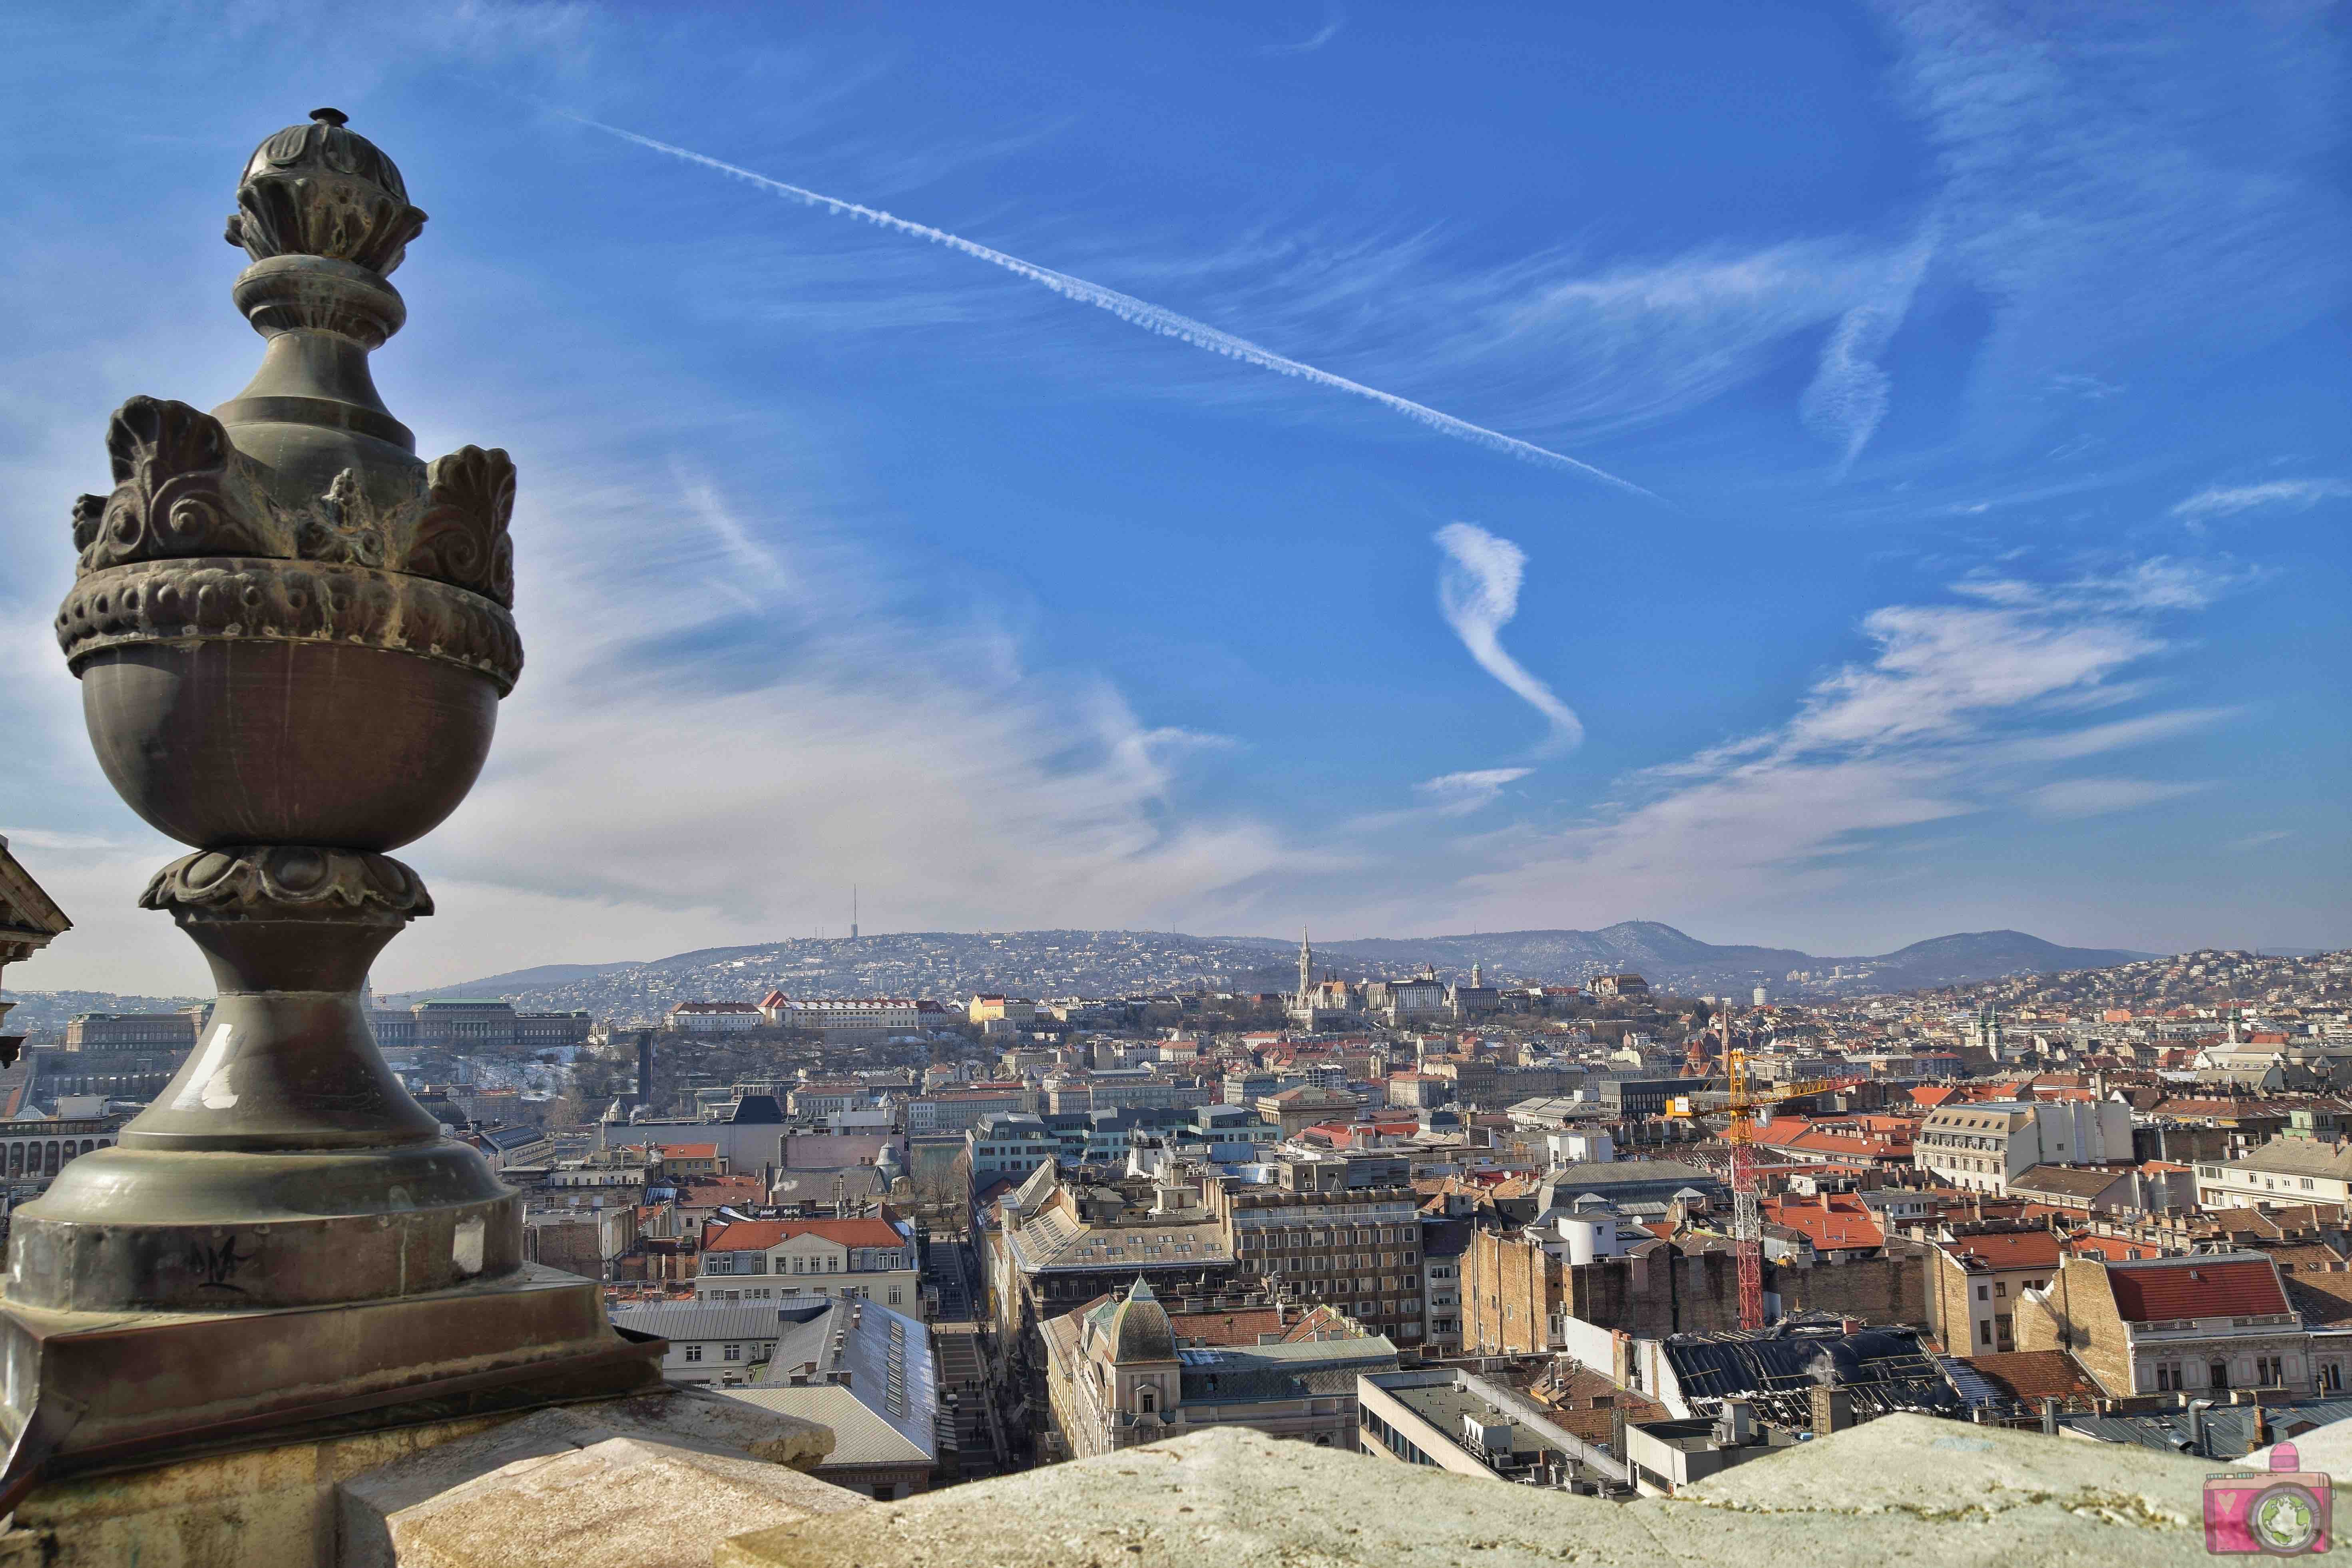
[
  {"x": 957, "y": 1111},
  {"x": 713, "y": 1017},
  {"x": 767, "y": 1260},
  {"x": 847, "y": 1019},
  {"x": 1009, "y": 1145},
  {"x": 1976, "y": 1276},
  {"x": 1982, "y": 1146},
  {"x": 1357, "y": 1249},
  {"x": 1442, "y": 1243},
  {"x": 2204, "y": 1326},
  {"x": 135, "y": 1031},
  {"x": 1115, "y": 1378},
  {"x": 2310, "y": 1162}
]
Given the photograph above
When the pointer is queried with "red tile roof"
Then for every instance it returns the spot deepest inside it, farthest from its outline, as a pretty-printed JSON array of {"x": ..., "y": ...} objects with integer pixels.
[
  {"x": 2031, "y": 1374},
  {"x": 2009, "y": 1248},
  {"x": 758, "y": 1235},
  {"x": 1846, "y": 1137},
  {"x": 1843, "y": 1225},
  {"x": 2172, "y": 1288},
  {"x": 689, "y": 1151},
  {"x": 1241, "y": 1328}
]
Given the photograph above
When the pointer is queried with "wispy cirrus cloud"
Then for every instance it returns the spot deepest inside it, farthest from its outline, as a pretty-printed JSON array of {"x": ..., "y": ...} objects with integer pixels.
[
  {"x": 844, "y": 736},
  {"x": 2073, "y": 798},
  {"x": 1962, "y": 707},
  {"x": 2229, "y": 500},
  {"x": 1334, "y": 19},
  {"x": 2153, "y": 186},
  {"x": 1460, "y": 794},
  {"x": 1479, "y": 592},
  {"x": 1852, "y": 391}
]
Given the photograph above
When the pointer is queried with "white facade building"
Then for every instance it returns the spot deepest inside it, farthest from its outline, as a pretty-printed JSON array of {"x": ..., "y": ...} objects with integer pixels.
[
  {"x": 1982, "y": 1146},
  {"x": 713, "y": 1017}
]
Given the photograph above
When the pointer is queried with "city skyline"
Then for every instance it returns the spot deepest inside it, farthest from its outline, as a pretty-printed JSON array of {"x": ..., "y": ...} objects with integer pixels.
[{"x": 1979, "y": 588}]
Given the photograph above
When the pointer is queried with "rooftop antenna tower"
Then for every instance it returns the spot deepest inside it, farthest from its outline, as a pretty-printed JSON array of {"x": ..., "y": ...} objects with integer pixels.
[{"x": 852, "y": 911}]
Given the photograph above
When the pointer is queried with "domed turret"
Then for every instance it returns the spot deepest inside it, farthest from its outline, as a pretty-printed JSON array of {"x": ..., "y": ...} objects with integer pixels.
[{"x": 1138, "y": 1328}]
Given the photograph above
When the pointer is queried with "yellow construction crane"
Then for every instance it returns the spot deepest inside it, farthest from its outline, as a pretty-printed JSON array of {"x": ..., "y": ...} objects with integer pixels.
[{"x": 1747, "y": 1215}]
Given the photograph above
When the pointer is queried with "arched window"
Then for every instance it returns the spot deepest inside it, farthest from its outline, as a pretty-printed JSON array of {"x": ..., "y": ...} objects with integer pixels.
[
  {"x": 16, "y": 1159},
  {"x": 50, "y": 1158},
  {"x": 1146, "y": 1399}
]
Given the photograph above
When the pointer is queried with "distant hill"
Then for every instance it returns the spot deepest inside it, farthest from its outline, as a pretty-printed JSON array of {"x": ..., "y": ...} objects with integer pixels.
[
  {"x": 1059, "y": 963},
  {"x": 1644, "y": 946},
  {"x": 954, "y": 964},
  {"x": 538, "y": 977},
  {"x": 1983, "y": 955}
]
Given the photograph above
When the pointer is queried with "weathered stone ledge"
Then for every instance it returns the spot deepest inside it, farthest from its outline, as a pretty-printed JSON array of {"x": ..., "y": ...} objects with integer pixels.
[
  {"x": 1905, "y": 1490},
  {"x": 651, "y": 1480}
]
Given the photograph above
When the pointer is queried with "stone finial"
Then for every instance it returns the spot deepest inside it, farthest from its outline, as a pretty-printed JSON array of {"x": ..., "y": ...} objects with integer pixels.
[{"x": 322, "y": 189}]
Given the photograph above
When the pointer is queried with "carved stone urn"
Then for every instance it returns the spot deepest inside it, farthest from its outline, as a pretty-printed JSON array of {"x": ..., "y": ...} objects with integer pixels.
[{"x": 292, "y": 638}]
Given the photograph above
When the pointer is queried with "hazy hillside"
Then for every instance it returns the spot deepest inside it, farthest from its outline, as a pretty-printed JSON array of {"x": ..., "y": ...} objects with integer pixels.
[
  {"x": 1119, "y": 963},
  {"x": 953, "y": 965}
]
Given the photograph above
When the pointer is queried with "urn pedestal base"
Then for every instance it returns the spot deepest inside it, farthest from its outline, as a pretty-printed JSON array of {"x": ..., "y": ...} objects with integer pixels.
[
  {"x": 138, "y": 1229},
  {"x": 81, "y": 1391}
]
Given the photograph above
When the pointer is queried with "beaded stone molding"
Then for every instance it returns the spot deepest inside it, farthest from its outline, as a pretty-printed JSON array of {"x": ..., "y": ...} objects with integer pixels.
[{"x": 234, "y": 600}]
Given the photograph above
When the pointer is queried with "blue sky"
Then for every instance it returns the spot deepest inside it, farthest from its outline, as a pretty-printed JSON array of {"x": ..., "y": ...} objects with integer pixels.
[{"x": 1966, "y": 385}]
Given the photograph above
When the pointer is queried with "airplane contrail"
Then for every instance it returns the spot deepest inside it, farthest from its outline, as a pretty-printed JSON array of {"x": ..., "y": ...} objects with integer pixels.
[{"x": 1139, "y": 312}]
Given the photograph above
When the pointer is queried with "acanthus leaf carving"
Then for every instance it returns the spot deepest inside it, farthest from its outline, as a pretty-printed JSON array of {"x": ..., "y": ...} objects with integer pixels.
[
  {"x": 462, "y": 537},
  {"x": 182, "y": 491},
  {"x": 175, "y": 493}
]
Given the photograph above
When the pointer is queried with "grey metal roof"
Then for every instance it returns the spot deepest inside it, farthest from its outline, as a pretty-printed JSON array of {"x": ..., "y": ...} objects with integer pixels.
[
  {"x": 1057, "y": 1238},
  {"x": 1975, "y": 1388},
  {"x": 1232, "y": 1376},
  {"x": 860, "y": 1434},
  {"x": 703, "y": 1320},
  {"x": 1621, "y": 1172},
  {"x": 2229, "y": 1428},
  {"x": 886, "y": 1355},
  {"x": 2294, "y": 1156},
  {"x": 2073, "y": 1181}
]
